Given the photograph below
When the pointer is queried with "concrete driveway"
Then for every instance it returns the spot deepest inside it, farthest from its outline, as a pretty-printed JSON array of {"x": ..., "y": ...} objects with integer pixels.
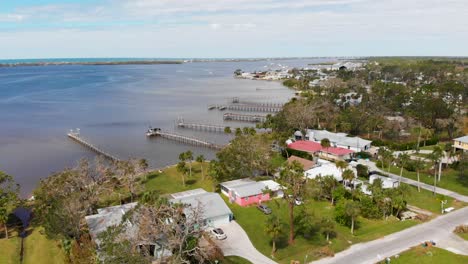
[{"x": 238, "y": 243}]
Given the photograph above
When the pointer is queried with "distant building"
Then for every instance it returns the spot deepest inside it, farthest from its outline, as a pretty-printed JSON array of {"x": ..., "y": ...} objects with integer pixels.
[
  {"x": 246, "y": 192},
  {"x": 215, "y": 211},
  {"x": 339, "y": 140},
  {"x": 461, "y": 143}
]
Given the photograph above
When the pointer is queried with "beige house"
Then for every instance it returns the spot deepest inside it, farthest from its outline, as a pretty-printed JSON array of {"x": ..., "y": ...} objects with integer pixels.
[{"x": 461, "y": 143}]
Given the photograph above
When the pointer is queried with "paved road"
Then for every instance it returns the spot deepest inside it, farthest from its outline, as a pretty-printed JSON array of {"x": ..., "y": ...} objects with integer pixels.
[
  {"x": 439, "y": 230},
  {"x": 445, "y": 192},
  {"x": 238, "y": 243}
]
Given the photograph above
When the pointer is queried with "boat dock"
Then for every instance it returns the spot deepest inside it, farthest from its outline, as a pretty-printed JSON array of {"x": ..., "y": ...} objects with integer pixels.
[
  {"x": 75, "y": 136},
  {"x": 272, "y": 108},
  {"x": 183, "y": 139},
  {"x": 255, "y": 108},
  {"x": 237, "y": 105},
  {"x": 201, "y": 127},
  {"x": 244, "y": 118}
]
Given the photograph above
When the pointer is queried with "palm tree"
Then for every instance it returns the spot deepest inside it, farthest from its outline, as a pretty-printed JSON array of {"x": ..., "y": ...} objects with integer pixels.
[
  {"x": 341, "y": 165},
  {"x": 418, "y": 165},
  {"x": 143, "y": 165},
  {"x": 436, "y": 157},
  {"x": 325, "y": 143},
  {"x": 274, "y": 229},
  {"x": 189, "y": 156},
  {"x": 352, "y": 210},
  {"x": 348, "y": 175},
  {"x": 427, "y": 133},
  {"x": 201, "y": 159},
  {"x": 327, "y": 225},
  {"x": 183, "y": 170},
  {"x": 403, "y": 159}
]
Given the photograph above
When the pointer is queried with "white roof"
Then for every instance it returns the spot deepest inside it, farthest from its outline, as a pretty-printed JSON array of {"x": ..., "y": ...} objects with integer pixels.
[
  {"x": 463, "y": 139},
  {"x": 247, "y": 187},
  {"x": 272, "y": 185},
  {"x": 337, "y": 138},
  {"x": 324, "y": 170},
  {"x": 212, "y": 204}
]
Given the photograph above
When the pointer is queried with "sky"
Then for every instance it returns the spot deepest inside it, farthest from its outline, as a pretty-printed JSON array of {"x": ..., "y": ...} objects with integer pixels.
[{"x": 232, "y": 28}]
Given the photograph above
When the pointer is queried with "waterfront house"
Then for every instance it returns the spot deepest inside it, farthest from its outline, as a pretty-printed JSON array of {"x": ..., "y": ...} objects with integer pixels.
[
  {"x": 461, "y": 143},
  {"x": 339, "y": 140},
  {"x": 314, "y": 148},
  {"x": 214, "y": 210},
  {"x": 112, "y": 216},
  {"x": 246, "y": 192}
]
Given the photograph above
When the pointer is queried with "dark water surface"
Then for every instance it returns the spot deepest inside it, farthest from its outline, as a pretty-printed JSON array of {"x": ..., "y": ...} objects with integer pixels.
[{"x": 113, "y": 106}]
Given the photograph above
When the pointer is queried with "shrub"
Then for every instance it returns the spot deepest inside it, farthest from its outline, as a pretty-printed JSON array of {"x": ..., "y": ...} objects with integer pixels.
[
  {"x": 369, "y": 208},
  {"x": 461, "y": 229},
  {"x": 301, "y": 154},
  {"x": 362, "y": 171},
  {"x": 410, "y": 165},
  {"x": 363, "y": 155},
  {"x": 323, "y": 252}
]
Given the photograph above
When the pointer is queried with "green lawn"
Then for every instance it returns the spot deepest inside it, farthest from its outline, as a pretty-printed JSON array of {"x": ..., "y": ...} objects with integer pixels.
[
  {"x": 170, "y": 180},
  {"x": 253, "y": 222},
  {"x": 38, "y": 249},
  {"x": 449, "y": 179},
  {"x": 431, "y": 147},
  {"x": 426, "y": 200},
  {"x": 10, "y": 248},
  {"x": 463, "y": 235},
  {"x": 235, "y": 260},
  {"x": 433, "y": 255}
]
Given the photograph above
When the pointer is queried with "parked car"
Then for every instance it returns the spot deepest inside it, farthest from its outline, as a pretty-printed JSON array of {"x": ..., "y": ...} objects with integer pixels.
[
  {"x": 218, "y": 233},
  {"x": 298, "y": 201},
  {"x": 265, "y": 209}
]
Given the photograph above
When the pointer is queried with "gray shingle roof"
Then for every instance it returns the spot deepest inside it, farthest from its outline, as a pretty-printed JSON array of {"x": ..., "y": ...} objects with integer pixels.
[
  {"x": 211, "y": 203},
  {"x": 107, "y": 217}
]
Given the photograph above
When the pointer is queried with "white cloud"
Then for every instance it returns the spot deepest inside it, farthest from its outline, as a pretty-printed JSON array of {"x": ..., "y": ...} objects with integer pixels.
[{"x": 207, "y": 28}]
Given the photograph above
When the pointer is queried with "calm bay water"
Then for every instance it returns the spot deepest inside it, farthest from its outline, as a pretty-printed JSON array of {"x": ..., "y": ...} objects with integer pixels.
[{"x": 113, "y": 106}]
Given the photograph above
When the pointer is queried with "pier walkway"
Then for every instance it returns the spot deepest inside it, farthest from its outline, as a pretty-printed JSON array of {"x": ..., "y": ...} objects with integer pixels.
[
  {"x": 244, "y": 118},
  {"x": 272, "y": 108},
  {"x": 215, "y": 128},
  {"x": 183, "y": 139},
  {"x": 75, "y": 136},
  {"x": 201, "y": 127}
]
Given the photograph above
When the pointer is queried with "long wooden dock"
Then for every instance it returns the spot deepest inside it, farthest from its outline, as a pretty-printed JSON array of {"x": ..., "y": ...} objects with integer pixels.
[
  {"x": 75, "y": 136},
  {"x": 254, "y": 108},
  {"x": 201, "y": 127},
  {"x": 183, "y": 139},
  {"x": 244, "y": 118},
  {"x": 214, "y": 128}
]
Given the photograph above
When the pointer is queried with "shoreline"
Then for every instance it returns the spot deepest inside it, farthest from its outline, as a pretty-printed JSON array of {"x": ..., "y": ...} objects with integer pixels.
[{"x": 97, "y": 63}]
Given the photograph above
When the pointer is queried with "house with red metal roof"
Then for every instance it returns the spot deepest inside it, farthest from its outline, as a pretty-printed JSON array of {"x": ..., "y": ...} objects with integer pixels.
[{"x": 315, "y": 148}]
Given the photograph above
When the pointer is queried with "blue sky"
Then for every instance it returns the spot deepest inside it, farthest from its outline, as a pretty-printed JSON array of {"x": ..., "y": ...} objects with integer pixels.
[{"x": 232, "y": 28}]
